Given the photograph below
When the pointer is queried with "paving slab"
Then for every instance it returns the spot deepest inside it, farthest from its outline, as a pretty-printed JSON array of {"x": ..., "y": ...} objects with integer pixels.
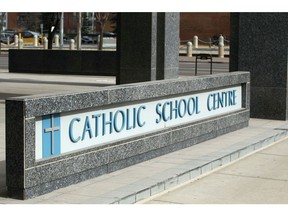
[{"x": 261, "y": 178}]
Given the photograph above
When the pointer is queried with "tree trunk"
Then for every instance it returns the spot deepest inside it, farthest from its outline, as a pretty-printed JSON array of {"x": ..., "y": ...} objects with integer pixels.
[
  {"x": 51, "y": 34},
  {"x": 50, "y": 39},
  {"x": 100, "y": 43}
]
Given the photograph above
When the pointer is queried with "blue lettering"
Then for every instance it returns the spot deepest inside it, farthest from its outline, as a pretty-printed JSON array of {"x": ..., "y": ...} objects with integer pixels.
[
  {"x": 209, "y": 103},
  {"x": 165, "y": 117},
  {"x": 138, "y": 116},
  {"x": 232, "y": 98},
  {"x": 220, "y": 100},
  {"x": 87, "y": 128},
  {"x": 97, "y": 116},
  {"x": 128, "y": 126},
  {"x": 109, "y": 123},
  {"x": 116, "y": 128},
  {"x": 158, "y": 111},
  {"x": 182, "y": 107},
  {"x": 173, "y": 109},
  {"x": 71, "y": 130},
  {"x": 134, "y": 117}
]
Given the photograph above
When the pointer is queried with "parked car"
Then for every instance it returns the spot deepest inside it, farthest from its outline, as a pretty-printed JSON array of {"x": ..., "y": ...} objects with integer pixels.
[
  {"x": 28, "y": 36},
  {"x": 86, "y": 39},
  {"x": 5, "y": 36},
  {"x": 106, "y": 34},
  {"x": 109, "y": 34}
]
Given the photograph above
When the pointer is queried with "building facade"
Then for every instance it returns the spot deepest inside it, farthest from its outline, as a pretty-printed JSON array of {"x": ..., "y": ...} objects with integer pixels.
[
  {"x": 204, "y": 25},
  {"x": 33, "y": 21}
]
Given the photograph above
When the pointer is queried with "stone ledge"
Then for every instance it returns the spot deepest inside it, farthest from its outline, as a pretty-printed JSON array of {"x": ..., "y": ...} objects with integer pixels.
[{"x": 30, "y": 178}]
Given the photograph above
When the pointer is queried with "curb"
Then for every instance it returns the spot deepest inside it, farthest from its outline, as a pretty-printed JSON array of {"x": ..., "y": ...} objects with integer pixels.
[{"x": 198, "y": 171}]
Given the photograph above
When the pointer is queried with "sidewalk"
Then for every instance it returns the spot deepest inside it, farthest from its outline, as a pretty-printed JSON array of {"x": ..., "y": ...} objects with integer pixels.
[
  {"x": 260, "y": 178},
  {"x": 141, "y": 181}
]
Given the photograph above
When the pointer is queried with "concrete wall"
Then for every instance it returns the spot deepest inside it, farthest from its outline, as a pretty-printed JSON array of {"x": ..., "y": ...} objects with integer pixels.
[
  {"x": 71, "y": 62},
  {"x": 28, "y": 177}
]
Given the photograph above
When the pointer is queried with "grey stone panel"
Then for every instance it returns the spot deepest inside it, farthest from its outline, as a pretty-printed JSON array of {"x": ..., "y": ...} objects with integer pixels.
[
  {"x": 246, "y": 95},
  {"x": 47, "y": 187},
  {"x": 167, "y": 45},
  {"x": 232, "y": 119},
  {"x": 138, "y": 146},
  {"x": 259, "y": 45},
  {"x": 193, "y": 130},
  {"x": 270, "y": 104},
  {"x": 232, "y": 128},
  {"x": 29, "y": 142},
  {"x": 46, "y": 175},
  {"x": 48, "y": 104},
  {"x": 133, "y": 160},
  {"x": 137, "y": 47},
  {"x": 15, "y": 154},
  {"x": 58, "y": 169},
  {"x": 148, "y": 90}
]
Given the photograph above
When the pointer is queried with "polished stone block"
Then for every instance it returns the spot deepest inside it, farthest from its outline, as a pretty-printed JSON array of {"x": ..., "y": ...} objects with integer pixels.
[
  {"x": 63, "y": 62},
  {"x": 149, "y": 50},
  {"x": 259, "y": 45},
  {"x": 27, "y": 178}
]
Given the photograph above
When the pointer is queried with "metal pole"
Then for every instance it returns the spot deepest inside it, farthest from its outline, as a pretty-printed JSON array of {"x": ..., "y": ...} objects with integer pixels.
[
  {"x": 1, "y": 26},
  {"x": 211, "y": 65},
  {"x": 196, "y": 66},
  {"x": 61, "y": 30},
  {"x": 79, "y": 32}
]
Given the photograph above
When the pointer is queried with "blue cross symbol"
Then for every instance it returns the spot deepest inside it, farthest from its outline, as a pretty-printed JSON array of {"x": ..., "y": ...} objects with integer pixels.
[{"x": 50, "y": 135}]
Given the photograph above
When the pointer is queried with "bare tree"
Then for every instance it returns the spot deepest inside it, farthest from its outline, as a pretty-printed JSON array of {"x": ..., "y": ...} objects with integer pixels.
[
  {"x": 28, "y": 21},
  {"x": 51, "y": 23},
  {"x": 101, "y": 18}
]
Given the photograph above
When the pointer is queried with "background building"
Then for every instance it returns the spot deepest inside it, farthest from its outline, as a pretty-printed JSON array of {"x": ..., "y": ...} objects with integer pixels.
[
  {"x": 204, "y": 25},
  {"x": 32, "y": 22}
]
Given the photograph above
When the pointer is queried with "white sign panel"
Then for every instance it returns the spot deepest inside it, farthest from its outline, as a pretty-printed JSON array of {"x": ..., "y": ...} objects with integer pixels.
[{"x": 66, "y": 132}]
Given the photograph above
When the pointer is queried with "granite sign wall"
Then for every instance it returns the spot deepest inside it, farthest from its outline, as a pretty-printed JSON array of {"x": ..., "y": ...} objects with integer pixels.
[{"x": 115, "y": 127}]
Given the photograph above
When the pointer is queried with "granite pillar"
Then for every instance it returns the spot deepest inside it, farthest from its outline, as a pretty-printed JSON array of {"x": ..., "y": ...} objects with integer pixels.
[
  {"x": 167, "y": 45},
  {"x": 259, "y": 45},
  {"x": 147, "y": 46}
]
